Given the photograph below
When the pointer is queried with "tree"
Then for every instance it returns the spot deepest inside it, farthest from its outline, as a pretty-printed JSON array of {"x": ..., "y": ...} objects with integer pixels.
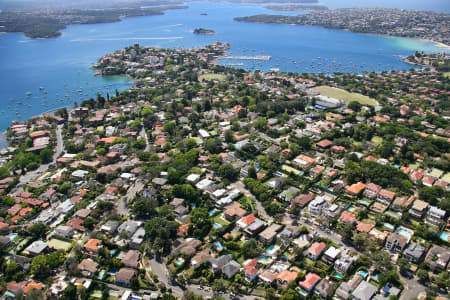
[
  {"x": 46, "y": 155},
  {"x": 228, "y": 172},
  {"x": 70, "y": 293},
  {"x": 355, "y": 106},
  {"x": 170, "y": 127},
  {"x": 250, "y": 248},
  {"x": 382, "y": 261},
  {"x": 39, "y": 267},
  {"x": 252, "y": 172},
  {"x": 423, "y": 275},
  {"x": 403, "y": 265},
  {"x": 360, "y": 241},
  {"x": 218, "y": 285},
  {"x": 37, "y": 230},
  {"x": 213, "y": 145},
  {"x": 145, "y": 207},
  {"x": 201, "y": 222},
  {"x": 229, "y": 138}
]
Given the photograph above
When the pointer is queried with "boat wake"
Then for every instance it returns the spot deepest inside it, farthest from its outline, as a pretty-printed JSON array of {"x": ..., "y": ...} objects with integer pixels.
[{"x": 129, "y": 39}]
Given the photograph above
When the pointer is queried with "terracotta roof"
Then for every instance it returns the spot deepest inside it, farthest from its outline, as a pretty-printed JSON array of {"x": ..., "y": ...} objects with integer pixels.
[
  {"x": 347, "y": 217},
  {"x": 287, "y": 276},
  {"x": 355, "y": 188},
  {"x": 310, "y": 280},
  {"x": 364, "y": 227},
  {"x": 108, "y": 140},
  {"x": 248, "y": 219},
  {"x": 317, "y": 248},
  {"x": 324, "y": 143},
  {"x": 93, "y": 244}
]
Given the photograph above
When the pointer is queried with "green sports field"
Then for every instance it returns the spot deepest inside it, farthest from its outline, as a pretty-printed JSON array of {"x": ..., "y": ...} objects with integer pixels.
[{"x": 346, "y": 96}]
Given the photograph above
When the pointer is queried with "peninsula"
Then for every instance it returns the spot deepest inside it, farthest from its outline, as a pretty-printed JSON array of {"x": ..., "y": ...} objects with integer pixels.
[
  {"x": 208, "y": 182},
  {"x": 394, "y": 22},
  {"x": 49, "y": 23}
]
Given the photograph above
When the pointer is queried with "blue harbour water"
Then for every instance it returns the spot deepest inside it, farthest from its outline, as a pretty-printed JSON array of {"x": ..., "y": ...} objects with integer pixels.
[{"x": 61, "y": 66}]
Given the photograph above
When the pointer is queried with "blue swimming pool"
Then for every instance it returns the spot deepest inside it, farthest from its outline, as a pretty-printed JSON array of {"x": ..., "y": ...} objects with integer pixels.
[
  {"x": 217, "y": 225},
  {"x": 338, "y": 275},
  {"x": 179, "y": 261},
  {"x": 363, "y": 273},
  {"x": 218, "y": 245},
  {"x": 388, "y": 226},
  {"x": 277, "y": 173},
  {"x": 212, "y": 211},
  {"x": 444, "y": 236},
  {"x": 12, "y": 236},
  {"x": 404, "y": 233}
]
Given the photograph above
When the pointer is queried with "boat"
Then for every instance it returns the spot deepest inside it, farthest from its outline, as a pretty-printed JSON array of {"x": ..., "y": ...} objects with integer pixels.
[{"x": 28, "y": 93}]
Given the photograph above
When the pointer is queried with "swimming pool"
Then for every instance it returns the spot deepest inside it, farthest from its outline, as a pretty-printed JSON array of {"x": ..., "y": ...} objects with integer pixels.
[
  {"x": 272, "y": 249},
  {"x": 277, "y": 173},
  {"x": 404, "y": 233},
  {"x": 12, "y": 236},
  {"x": 363, "y": 273},
  {"x": 264, "y": 259},
  {"x": 388, "y": 226},
  {"x": 179, "y": 261},
  {"x": 351, "y": 209},
  {"x": 444, "y": 236},
  {"x": 217, "y": 225},
  {"x": 363, "y": 202},
  {"x": 212, "y": 211},
  {"x": 218, "y": 245},
  {"x": 338, "y": 275}
]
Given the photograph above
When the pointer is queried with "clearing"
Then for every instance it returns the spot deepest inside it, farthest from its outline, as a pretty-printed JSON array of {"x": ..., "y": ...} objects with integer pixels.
[
  {"x": 344, "y": 95},
  {"x": 211, "y": 76}
]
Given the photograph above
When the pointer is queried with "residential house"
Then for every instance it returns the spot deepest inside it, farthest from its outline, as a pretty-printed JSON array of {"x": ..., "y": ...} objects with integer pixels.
[
  {"x": 372, "y": 190},
  {"x": 302, "y": 200},
  {"x": 234, "y": 211},
  {"x": 87, "y": 267},
  {"x": 396, "y": 242},
  {"x": 418, "y": 209},
  {"x": 324, "y": 288},
  {"x": 37, "y": 248},
  {"x": 346, "y": 288},
  {"x": 124, "y": 276},
  {"x": 347, "y": 218},
  {"x": 355, "y": 189},
  {"x": 201, "y": 257},
  {"x": 219, "y": 262},
  {"x": 437, "y": 257},
  {"x": 92, "y": 246},
  {"x": 316, "y": 250},
  {"x": 330, "y": 255},
  {"x": 414, "y": 252},
  {"x": 131, "y": 259},
  {"x": 231, "y": 268},
  {"x": 317, "y": 205},
  {"x": 269, "y": 233},
  {"x": 285, "y": 277},
  {"x": 311, "y": 279},
  {"x": 304, "y": 161},
  {"x": 344, "y": 263},
  {"x": 435, "y": 216},
  {"x": 250, "y": 270},
  {"x": 386, "y": 197},
  {"x": 364, "y": 291}
]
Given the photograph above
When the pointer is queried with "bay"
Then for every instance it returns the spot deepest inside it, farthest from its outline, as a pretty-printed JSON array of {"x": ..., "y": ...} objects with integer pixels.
[{"x": 61, "y": 66}]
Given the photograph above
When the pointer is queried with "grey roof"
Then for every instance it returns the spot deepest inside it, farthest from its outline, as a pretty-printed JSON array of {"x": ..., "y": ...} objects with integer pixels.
[
  {"x": 364, "y": 291},
  {"x": 415, "y": 251},
  {"x": 129, "y": 226},
  {"x": 37, "y": 247},
  {"x": 220, "y": 261},
  {"x": 231, "y": 268}
]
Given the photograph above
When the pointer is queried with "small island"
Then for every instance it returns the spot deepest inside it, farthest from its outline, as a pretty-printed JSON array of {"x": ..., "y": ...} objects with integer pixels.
[{"x": 204, "y": 31}]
